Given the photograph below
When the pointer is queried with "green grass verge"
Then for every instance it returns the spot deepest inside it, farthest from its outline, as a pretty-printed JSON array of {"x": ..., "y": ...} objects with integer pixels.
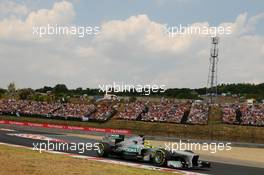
[{"x": 23, "y": 161}]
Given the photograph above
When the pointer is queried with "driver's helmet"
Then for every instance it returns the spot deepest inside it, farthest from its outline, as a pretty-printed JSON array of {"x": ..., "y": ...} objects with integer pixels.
[{"x": 147, "y": 144}]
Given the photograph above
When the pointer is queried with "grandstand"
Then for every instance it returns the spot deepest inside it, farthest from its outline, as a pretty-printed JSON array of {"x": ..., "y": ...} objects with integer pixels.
[
  {"x": 166, "y": 111},
  {"x": 69, "y": 111},
  {"x": 243, "y": 114}
]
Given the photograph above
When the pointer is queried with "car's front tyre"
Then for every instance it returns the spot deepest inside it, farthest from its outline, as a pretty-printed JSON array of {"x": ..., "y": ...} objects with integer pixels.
[{"x": 161, "y": 157}]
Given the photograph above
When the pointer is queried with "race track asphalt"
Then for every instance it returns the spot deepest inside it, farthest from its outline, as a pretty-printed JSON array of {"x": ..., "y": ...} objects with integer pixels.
[{"x": 5, "y": 137}]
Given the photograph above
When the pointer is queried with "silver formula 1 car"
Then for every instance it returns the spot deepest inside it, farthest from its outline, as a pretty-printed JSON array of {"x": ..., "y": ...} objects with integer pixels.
[{"x": 136, "y": 147}]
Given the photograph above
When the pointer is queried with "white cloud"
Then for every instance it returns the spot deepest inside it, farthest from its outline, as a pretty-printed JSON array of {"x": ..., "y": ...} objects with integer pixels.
[
  {"x": 15, "y": 28},
  {"x": 130, "y": 50},
  {"x": 85, "y": 52},
  {"x": 10, "y": 7},
  {"x": 61, "y": 13},
  {"x": 147, "y": 34}
]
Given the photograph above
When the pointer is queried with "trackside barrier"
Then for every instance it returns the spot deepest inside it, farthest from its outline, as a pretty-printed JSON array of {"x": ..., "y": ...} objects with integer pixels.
[{"x": 67, "y": 127}]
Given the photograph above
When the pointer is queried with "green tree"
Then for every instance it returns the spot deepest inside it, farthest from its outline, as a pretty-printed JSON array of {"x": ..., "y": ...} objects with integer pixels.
[
  {"x": 45, "y": 89},
  {"x": 11, "y": 88},
  {"x": 2, "y": 92},
  {"x": 26, "y": 94},
  {"x": 60, "y": 89}
]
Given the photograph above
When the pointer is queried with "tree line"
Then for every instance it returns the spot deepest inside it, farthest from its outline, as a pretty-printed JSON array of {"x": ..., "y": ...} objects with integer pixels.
[{"x": 61, "y": 90}]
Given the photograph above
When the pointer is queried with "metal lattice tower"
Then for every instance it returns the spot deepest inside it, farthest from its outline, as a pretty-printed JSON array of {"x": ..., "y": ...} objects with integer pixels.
[{"x": 211, "y": 89}]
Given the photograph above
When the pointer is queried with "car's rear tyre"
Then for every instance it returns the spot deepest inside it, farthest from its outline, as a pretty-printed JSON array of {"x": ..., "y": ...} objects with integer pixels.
[
  {"x": 161, "y": 157},
  {"x": 103, "y": 149},
  {"x": 206, "y": 164}
]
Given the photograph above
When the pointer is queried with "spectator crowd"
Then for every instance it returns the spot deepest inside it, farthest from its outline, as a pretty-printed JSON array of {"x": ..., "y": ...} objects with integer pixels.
[
  {"x": 173, "y": 112},
  {"x": 243, "y": 114},
  {"x": 165, "y": 111},
  {"x": 198, "y": 114},
  {"x": 100, "y": 112},
  {"x": 132, "y": 111}
]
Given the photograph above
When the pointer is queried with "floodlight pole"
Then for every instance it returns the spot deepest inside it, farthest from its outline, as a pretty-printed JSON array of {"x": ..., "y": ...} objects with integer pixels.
[{"x": 211, "y": 89}]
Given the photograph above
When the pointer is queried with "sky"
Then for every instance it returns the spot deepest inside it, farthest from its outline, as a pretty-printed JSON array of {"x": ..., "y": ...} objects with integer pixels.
[{"x": 130, "y": 47}]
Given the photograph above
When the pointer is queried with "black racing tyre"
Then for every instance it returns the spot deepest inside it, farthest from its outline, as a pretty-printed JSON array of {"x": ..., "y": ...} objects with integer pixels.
[
  {"x": 206, "y": 164},
  {"x": 161, "y": 157},
  {"x": 103, "y": 149}
]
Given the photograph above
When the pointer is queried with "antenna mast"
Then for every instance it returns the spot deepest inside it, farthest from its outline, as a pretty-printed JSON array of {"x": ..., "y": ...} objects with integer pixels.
[{"x": 211, "y": 89}]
